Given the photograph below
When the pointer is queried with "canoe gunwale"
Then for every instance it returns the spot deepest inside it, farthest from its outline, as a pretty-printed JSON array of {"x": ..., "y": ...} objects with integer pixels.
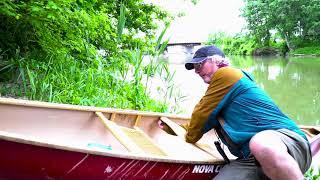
[{"x": 40, "y": 104}]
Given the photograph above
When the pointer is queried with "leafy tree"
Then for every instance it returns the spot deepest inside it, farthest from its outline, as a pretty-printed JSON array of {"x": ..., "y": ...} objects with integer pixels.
[
  {"x": 240, "y": 44},
  {"x": 311, "y": 25},
  {"x": 75, "y": 27},
  {"x": 293, "y": 20},
  {"x": 256, "y": 14},
  {"x": 77, "y": 51}
]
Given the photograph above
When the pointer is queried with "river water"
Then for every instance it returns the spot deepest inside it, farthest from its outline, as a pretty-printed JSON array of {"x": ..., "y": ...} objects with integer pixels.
[{"x": 293, "y": 83}]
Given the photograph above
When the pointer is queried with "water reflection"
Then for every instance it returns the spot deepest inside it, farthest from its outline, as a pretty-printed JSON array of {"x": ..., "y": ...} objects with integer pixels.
[{"x": 292, "y": 83}]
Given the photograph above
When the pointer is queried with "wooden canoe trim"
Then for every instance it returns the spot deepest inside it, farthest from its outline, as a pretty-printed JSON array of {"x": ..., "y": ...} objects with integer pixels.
[
  {"x": 313, "y": 134},
  {"x": 113, "y": 116},
  {"x": 119, "y": 134},
  {"x": 181, "y": 132},
  {"x": 27, "y": 103},
  {"x": 137, "y": 121},
  {"x": 310, "y": 130}
]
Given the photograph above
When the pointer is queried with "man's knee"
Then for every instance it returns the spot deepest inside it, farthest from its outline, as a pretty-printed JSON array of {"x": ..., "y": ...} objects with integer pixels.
[
  {"x": 270, "y": 149},
  {"x": 266, "y": 144}
]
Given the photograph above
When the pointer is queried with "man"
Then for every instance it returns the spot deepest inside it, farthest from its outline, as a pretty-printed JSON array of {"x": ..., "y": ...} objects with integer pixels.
[{"x": 266, "y": 141}]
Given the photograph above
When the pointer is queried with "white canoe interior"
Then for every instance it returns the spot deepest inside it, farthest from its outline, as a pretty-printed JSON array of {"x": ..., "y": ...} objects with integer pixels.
[{"x": 103, "y": 131}]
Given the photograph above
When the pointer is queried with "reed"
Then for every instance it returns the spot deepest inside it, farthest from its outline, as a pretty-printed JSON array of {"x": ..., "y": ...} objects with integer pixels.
[{"x": 121, "y": 22}]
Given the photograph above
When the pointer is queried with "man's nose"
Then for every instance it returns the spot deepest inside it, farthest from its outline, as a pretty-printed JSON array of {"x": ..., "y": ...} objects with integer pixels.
[{"x": 196, "y": 70}]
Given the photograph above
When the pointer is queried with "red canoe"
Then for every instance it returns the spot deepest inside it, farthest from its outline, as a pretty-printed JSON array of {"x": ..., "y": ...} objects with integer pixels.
[{"x": 56, "y": 141}]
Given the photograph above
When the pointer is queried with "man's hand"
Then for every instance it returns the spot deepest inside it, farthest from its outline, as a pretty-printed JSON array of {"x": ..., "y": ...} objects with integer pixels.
[{"x": 166, "y": 128}]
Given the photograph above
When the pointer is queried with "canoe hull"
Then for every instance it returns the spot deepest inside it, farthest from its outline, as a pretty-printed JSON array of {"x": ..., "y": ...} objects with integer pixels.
[{"x": 25, "y": 161}]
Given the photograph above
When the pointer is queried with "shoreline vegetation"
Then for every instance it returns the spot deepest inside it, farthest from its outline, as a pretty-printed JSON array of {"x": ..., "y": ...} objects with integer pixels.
[
  {"x": 93, "y": 52},
  {"x": 275, "y": 27},
  {"x": 85, "y": 53},
  {"x": 242, "y": 44}
]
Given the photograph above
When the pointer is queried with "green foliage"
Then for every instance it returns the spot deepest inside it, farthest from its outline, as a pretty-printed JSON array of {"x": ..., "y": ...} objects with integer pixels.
[
  {"x": 311, "y": 175},
  {"x": 79, "y": 52},
  {"x": 194, "y": 1},
  {"x": 292, "y": 20},
  {"x": 121, "y": 22},
  {"x": 247, "y": 44},
  {"x": 235, "y": 45},
  {"x": 306, "y": 47},
  {"x": 307, "y": 51},
  {"x": 95, "y": 85}
]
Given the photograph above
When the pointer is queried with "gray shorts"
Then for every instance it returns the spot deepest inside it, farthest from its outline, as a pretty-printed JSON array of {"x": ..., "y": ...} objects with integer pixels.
[{"x": 297, "y": 146}]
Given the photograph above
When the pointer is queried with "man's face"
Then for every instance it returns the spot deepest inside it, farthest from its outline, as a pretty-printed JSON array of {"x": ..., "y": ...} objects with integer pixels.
[{"x": 206, "y": 69}]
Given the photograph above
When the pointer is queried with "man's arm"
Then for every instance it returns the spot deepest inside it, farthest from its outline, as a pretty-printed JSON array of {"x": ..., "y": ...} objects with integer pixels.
[{"x": 220, "y": 85}]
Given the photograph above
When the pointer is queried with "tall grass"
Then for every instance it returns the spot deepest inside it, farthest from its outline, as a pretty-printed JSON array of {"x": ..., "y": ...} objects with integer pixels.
[
  {"x": 106, "y": 81},
  {"x": 77, "y": 54},
  {"x": 156, "y": 66}
]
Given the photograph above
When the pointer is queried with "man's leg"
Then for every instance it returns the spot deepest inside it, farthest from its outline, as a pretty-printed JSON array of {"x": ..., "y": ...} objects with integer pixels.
[
  {"x": 272, "y": 154},
  {"x": 241, "y": 169}
]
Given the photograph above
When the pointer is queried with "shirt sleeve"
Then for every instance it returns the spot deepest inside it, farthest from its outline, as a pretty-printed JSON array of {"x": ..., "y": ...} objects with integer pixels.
[{"x": 221, "y": 83}]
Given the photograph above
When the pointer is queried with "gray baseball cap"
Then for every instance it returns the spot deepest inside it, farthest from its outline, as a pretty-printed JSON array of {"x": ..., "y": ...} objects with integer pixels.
[{"x": 201, "y": 54}]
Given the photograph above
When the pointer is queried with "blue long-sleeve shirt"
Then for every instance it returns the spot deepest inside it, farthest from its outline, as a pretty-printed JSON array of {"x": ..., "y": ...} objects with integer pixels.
[{"x": 245, "y": 108}]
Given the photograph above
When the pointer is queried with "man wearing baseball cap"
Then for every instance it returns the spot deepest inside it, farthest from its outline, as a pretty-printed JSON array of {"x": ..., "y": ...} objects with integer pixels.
[{"x": 268, "y": 143}]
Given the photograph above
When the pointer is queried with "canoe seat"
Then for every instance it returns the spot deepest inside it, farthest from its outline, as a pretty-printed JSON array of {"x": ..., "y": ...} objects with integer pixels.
[
  {"x": 135, "y": 140},
  {"x": 180, "y": 132}
]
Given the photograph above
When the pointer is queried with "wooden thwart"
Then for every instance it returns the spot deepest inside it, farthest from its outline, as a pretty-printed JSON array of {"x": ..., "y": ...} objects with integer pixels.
[
  {"x": 119, "y": 134},
  {"x": 135, "y": 140},
  {"x": 143, "y": 141},
  {"x": 181, "y": 132}
]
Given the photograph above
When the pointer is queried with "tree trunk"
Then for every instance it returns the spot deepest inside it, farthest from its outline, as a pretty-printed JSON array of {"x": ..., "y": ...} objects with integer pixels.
[{"x": 287, "y": 39}]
